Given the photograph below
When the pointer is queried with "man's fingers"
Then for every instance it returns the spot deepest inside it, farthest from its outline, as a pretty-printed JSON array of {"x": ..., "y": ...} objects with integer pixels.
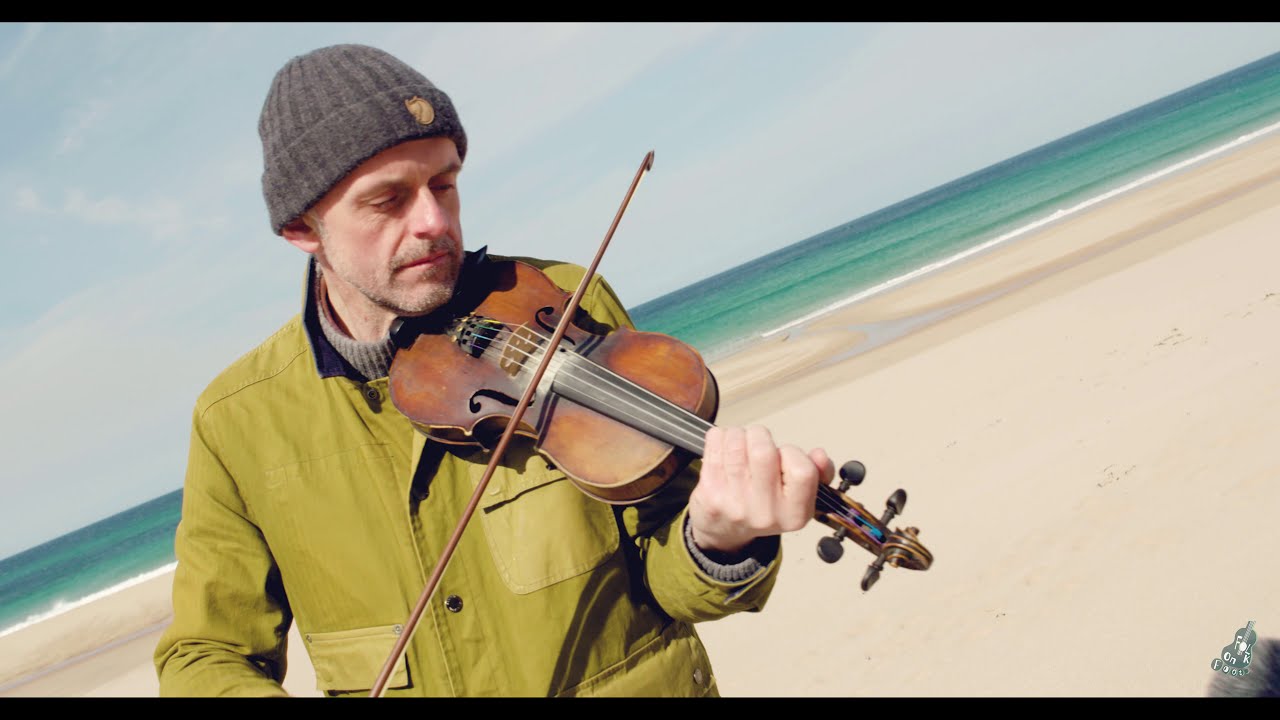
[
  {"x": 733, "y": 455},
  {"x": 825, "y": 465},
  {"x": 712, "y": 450},
  {"x": 750, "y": 487},
  {"x": 760, "y": 487},
  {"x": 800, "y": 477}
]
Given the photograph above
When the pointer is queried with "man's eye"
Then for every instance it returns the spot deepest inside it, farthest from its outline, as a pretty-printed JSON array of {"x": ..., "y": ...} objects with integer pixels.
[
  {"x": 442, "y": 187},
  {"x": 384, "y": 202}
]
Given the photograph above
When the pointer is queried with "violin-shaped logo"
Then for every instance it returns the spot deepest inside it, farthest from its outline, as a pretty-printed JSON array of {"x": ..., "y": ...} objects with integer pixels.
[{"x": 1237, "y": 654}]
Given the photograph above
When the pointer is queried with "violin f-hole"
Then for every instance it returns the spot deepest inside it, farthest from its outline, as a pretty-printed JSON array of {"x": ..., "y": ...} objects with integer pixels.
[
  {"x": 505, "y": 399},
  {"x": 548, "y": 310}
]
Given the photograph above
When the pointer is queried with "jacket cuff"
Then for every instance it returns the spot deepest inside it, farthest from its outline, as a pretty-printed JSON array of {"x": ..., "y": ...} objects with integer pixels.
[{"x": 730, "y": 569}]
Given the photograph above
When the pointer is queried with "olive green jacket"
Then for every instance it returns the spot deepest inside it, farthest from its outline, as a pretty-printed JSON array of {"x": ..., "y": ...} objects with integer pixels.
[{"x": 311, "y": 499}]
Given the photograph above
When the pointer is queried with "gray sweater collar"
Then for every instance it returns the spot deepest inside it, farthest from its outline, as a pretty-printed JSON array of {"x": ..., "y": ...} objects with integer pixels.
[{"x": 370, "y": 359}]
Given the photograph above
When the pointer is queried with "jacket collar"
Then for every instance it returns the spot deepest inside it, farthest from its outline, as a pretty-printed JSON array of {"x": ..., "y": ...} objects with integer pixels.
[{"x": 329, "y": 363}]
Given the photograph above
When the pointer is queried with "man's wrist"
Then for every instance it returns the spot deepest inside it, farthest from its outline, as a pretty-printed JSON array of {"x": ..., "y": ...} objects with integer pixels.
[
  {"x": 719, "y": 550},
  {"x": 734, "y": 567}
]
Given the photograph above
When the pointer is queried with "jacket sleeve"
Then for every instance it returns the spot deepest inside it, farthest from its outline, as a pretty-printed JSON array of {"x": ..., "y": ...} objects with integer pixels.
[
  {"x": 231, "y": 619},
  {"x": 679, "y": 582}
]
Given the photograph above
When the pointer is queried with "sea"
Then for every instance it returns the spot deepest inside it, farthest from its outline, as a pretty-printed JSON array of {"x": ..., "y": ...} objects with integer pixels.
[{"x": 781, "y": 291}]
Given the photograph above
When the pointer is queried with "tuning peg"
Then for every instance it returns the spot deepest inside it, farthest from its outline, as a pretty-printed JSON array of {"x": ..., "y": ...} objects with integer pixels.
[
  {"x": 872, "y": 575},
  {"x": 830, "y": 549},
  {"x": 894, "y": 506},
  {"x": 851, "y": 473}
]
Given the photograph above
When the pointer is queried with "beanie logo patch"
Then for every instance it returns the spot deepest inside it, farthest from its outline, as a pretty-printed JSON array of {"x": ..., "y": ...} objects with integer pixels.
[{"x": 421, "y": 110}]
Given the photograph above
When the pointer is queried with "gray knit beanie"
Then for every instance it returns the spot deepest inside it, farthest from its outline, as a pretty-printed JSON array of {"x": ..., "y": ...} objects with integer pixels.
[{"x": 332, "y": 109}]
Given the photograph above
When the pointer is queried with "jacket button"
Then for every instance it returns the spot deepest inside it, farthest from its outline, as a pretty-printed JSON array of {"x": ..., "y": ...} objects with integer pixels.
[
  {"x": 453, "y": 603},
  {"x": 371, "y": 392},
  {"x": 397, "y": 629},
  {"x": 697, "y": 675}
]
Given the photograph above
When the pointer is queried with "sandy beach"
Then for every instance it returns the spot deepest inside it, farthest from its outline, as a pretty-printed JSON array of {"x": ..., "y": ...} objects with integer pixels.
[{"x": 1084, "y": 420}]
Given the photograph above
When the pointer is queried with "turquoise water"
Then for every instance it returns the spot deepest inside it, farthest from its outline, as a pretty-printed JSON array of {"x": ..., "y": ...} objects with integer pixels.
[
  {"x": 776, "y": 292},
  {"x": 107, "y": 555}
]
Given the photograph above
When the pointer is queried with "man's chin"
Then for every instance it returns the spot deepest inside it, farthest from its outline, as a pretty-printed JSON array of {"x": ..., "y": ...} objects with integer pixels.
[
  {"x": 416, "y": 313},
  {"x": 424, "y": 304}
]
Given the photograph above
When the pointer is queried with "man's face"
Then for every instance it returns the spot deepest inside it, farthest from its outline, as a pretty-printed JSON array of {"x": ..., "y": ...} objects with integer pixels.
[{"x": 390, "y": 231}]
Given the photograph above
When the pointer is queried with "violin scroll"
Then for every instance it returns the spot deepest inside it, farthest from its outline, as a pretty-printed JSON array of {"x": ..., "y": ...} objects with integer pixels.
[{"x": 898, "y": 547}]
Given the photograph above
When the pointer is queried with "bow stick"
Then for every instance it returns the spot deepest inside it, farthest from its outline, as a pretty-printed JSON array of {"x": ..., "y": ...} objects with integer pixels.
[{"x": 402, "y": 642}]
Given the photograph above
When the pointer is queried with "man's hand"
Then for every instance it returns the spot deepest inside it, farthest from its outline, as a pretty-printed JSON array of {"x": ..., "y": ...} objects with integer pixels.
[{"x": 752, "y": 488}]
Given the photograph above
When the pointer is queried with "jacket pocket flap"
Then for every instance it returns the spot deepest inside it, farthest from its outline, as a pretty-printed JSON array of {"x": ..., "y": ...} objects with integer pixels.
[
  {"x": 350, "y": 660},
  {"x": 507, "y": 484},
  {"x": 542, "y": 529}
]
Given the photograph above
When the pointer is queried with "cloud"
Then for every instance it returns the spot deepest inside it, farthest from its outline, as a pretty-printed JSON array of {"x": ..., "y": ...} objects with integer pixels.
[
  {"x": 27, "y": 199},
  {"x": 29, "y": 34},
  {"x": 517, "y": 84},
  {"x": 83, "y": 121},
  {"x": 162, "y": 218}
]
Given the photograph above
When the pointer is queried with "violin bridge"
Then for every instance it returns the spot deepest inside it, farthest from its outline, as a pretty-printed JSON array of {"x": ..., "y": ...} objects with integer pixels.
[{"x": 523, "y": 351}]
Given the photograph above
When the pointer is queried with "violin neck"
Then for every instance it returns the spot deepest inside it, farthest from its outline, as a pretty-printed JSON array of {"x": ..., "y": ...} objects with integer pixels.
[{"x": 616, "y": 397}]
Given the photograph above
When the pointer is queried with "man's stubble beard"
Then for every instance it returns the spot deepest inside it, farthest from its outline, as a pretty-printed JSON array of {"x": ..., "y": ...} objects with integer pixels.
[
  {"x": 444, "y": 278},
  {"x": 410, "y": 302},
  {"x": 403, "y": 304}
]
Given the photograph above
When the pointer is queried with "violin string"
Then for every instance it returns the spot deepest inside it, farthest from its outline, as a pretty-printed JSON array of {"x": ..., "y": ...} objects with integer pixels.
[
  {"x": 688, "y": 426},
  {"x": 676, "y": 417},
  {"x": 658, "y": 410},
  {"x": 828, "y": 500},
  {"x": 700, "y": 424}
]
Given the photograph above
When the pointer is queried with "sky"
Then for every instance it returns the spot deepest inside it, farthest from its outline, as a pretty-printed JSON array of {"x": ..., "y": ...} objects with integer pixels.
[{"x": 138, "y": 260}]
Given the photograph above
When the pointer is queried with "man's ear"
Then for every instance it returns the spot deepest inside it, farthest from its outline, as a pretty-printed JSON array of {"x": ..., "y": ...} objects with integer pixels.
[{"x": 301, "y": 235}]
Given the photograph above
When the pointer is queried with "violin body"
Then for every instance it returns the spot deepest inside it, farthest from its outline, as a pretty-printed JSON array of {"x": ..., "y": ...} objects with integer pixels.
[{"x": 460, "y": 381}]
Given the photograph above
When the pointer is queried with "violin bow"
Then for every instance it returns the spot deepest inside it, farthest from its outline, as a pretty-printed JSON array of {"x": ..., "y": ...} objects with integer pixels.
[{"x": 402, "y": 641}]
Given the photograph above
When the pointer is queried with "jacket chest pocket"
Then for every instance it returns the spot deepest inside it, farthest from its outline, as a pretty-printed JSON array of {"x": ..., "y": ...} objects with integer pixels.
[{"x": 541, "y": 529}]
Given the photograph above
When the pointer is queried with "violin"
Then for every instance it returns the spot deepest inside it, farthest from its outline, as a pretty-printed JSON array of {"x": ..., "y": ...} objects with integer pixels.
[{"x": 619, "y": 411}]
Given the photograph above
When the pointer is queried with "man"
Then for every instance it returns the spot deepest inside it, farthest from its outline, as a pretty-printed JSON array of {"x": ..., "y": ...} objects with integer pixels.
[{"x": 309, "y": 498}]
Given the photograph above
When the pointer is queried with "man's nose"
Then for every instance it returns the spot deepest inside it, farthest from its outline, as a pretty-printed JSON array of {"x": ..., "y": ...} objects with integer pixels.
[{"x": 428, "y": 218}]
